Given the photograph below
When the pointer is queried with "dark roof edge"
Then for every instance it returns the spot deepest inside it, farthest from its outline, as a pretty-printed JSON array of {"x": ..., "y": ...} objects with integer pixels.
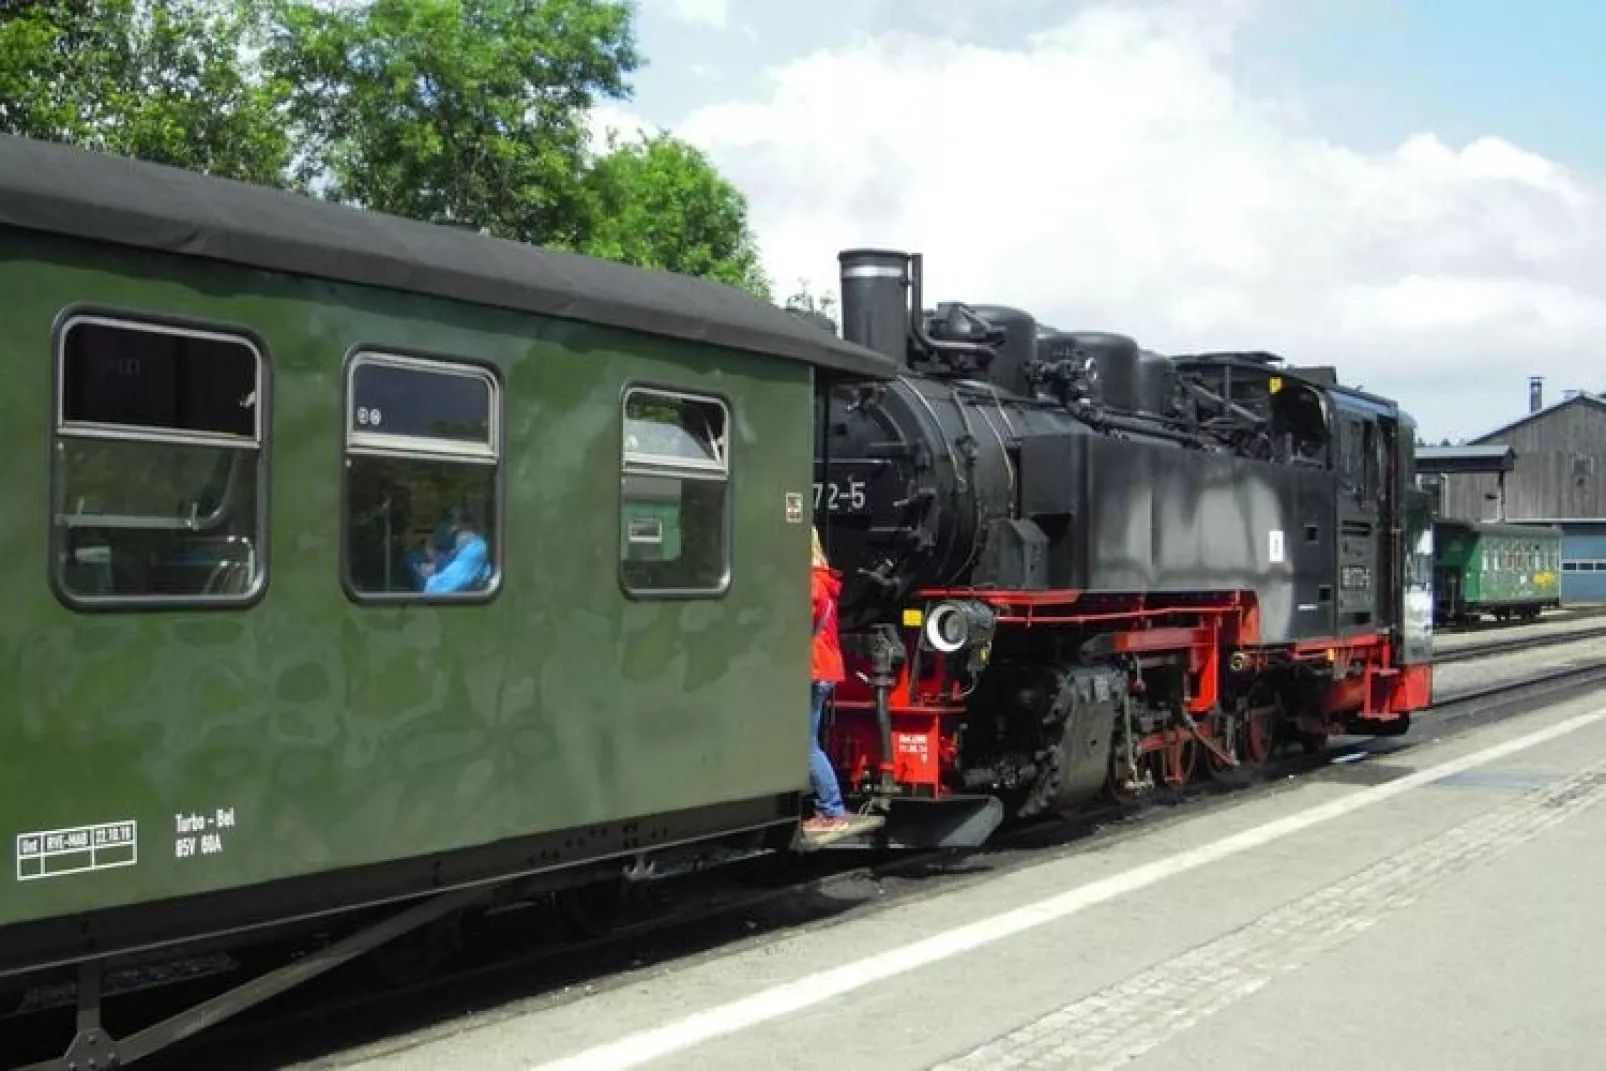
[
  {"x": 1505, "y": 527},
  {"x": 1480, "y": 450},
  {"x": 1555, "y": 521},
  {"x": 102, "y": 197},
  {"x": 1553, "y": 407}
]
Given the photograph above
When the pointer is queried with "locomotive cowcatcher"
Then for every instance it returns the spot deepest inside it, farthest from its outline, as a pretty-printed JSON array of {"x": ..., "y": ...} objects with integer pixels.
[{"x": 1074, "y": 568}]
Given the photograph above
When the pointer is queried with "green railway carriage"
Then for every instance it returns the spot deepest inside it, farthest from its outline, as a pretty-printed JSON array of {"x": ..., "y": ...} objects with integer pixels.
[
  {"x": 352, "y": 558},
  {"x": 1503, "y": 570}
]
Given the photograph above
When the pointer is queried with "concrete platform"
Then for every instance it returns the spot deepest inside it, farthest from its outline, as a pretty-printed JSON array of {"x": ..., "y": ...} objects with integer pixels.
[{"x": 1433, "y": 907}]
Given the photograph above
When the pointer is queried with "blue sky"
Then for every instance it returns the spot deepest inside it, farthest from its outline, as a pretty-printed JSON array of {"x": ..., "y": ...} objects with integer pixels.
[
  {"x": 1375, "y": 70},
  {"x": 1411, "y": 189},
  {"x": 1370, "y": 71}
]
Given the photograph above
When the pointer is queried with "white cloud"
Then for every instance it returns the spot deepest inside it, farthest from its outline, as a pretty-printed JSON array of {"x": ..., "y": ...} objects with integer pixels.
[
  {"x": 624, "y": 125},
  {"x": 713, "y": 13},
  {"x": 1114, "y": 173}
]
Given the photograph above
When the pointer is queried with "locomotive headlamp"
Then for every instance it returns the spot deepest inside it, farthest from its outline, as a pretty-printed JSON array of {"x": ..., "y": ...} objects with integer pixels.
[{"x": 953, "y": 626}]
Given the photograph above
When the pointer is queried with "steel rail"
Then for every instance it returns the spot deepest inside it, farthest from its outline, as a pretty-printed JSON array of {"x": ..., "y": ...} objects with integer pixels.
[{"x": 1515, "y": 644}]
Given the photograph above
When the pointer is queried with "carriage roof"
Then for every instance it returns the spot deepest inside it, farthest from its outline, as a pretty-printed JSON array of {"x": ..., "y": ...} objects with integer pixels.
[{"x": 99, "y": 196}]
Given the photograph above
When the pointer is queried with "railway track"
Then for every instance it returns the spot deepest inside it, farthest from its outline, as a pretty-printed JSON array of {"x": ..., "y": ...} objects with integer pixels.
[
  {"x": 1496, "y": 648},
  {"x": 516, "y": 961},
  {"x": 1579, "y": 612}
]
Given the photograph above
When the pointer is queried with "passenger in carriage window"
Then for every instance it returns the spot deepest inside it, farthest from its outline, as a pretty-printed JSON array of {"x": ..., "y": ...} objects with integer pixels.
[
  {"x": 431, "y": 554},
  {"x": 460, "y": 559}
]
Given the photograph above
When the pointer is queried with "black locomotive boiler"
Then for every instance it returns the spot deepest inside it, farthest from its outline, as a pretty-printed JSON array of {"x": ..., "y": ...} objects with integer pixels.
[{"x": 1072, "y": 565}]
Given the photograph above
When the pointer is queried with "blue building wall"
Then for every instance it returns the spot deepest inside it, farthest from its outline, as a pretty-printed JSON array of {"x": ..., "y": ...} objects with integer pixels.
[{"x": 1583, "y": 562}]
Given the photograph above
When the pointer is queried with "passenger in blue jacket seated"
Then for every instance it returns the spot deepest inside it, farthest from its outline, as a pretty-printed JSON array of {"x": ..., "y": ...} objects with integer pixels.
[{"x": 459, "y": 558}]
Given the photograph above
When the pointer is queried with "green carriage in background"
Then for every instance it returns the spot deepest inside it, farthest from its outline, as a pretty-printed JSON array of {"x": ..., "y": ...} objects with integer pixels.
[{"x": 1503, "y": 570}]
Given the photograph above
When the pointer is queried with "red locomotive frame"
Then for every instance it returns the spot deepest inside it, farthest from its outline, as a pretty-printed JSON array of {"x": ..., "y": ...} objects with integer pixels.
[{"x": 1357, "y": 684}]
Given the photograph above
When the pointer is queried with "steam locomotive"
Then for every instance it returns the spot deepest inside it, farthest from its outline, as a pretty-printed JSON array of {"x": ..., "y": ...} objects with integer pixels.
[{"x": 1074, "y": 567}]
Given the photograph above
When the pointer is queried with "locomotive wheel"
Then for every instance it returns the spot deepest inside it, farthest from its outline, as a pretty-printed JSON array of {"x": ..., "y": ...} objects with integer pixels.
[
  {"x": 1313, "y": 741},
  {"x": 1113, "y": 781},
  {"x": 1262, "y": 718},
  {"x": 1179, "y": 758},
  {"x": 1260, "y": 734},
  {"x": 1225, "y": 731},
  {"x": 1306, "y": 722}
]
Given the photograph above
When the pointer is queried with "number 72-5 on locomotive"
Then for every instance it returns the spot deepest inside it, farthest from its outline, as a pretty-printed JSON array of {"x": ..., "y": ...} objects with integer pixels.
[
  {"x": 846, "y": 493},
  {"x": 1073, "y": 567}
]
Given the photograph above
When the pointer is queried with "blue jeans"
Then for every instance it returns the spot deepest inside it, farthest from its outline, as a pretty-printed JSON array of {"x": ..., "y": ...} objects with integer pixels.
[{"x": 822, "y": 778}]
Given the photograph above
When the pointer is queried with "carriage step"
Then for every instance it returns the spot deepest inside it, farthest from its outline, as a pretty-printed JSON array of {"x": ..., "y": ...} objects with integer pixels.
[{"x": 850, "y": 825}]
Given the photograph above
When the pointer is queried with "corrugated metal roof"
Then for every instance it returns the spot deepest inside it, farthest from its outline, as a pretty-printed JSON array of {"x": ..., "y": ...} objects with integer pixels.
[
  {"x": 1492, "y": 450},
  {"x": 1526, "y": 418},
  {"x": 1481, "y": 458}
]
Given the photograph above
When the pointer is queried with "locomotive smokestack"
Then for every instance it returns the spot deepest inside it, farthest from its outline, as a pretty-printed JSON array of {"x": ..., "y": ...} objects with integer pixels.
[
  {"x": 875, "y": 300},
  {"x": 1536, "y": 393}
]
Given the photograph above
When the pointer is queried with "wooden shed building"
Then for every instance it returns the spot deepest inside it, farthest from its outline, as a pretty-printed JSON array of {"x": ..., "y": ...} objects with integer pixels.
[{"x": 1555, "y": 477}]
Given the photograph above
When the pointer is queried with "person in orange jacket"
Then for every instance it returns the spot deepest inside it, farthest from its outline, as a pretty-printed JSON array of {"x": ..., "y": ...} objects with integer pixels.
[{"x": 827, "y": 671}]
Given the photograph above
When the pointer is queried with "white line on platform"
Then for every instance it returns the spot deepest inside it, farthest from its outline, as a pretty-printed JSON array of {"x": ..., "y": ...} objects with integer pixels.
[
  {"x": 1136, "y": 1015},
  {"x": 636, "y": 1049}
]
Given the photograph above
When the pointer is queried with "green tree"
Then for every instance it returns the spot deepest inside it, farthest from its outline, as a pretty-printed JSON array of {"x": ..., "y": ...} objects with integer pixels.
[
  {"x": 159, "y": 81},
  {"x": 660, "y": 203},
  {"x": 55, "y": 65},
  {"x": 466, "y": 111},
  {"x": 804, "y": 300},
  {"x": 450, "y": 111},
  {"x": 819, "y": 310}
]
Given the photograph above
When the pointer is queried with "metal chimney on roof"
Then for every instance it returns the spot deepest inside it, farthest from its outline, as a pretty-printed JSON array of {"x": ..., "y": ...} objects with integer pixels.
[{"x": 1536, "y": 393}]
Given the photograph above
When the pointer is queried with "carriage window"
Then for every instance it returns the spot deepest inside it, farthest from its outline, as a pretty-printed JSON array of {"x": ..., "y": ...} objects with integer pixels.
[
  {"x": 674, "y": 494},
  {"x": 158, "y": 459},
  {"x": 423, "y": 443}
]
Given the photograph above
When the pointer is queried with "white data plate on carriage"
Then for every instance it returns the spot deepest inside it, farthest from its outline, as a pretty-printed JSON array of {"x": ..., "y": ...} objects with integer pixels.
[{"x": 56, "y": 853}]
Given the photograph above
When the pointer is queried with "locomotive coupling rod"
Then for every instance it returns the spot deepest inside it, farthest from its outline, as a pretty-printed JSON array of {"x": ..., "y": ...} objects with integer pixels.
[{"x": 1226, "y": 758}]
